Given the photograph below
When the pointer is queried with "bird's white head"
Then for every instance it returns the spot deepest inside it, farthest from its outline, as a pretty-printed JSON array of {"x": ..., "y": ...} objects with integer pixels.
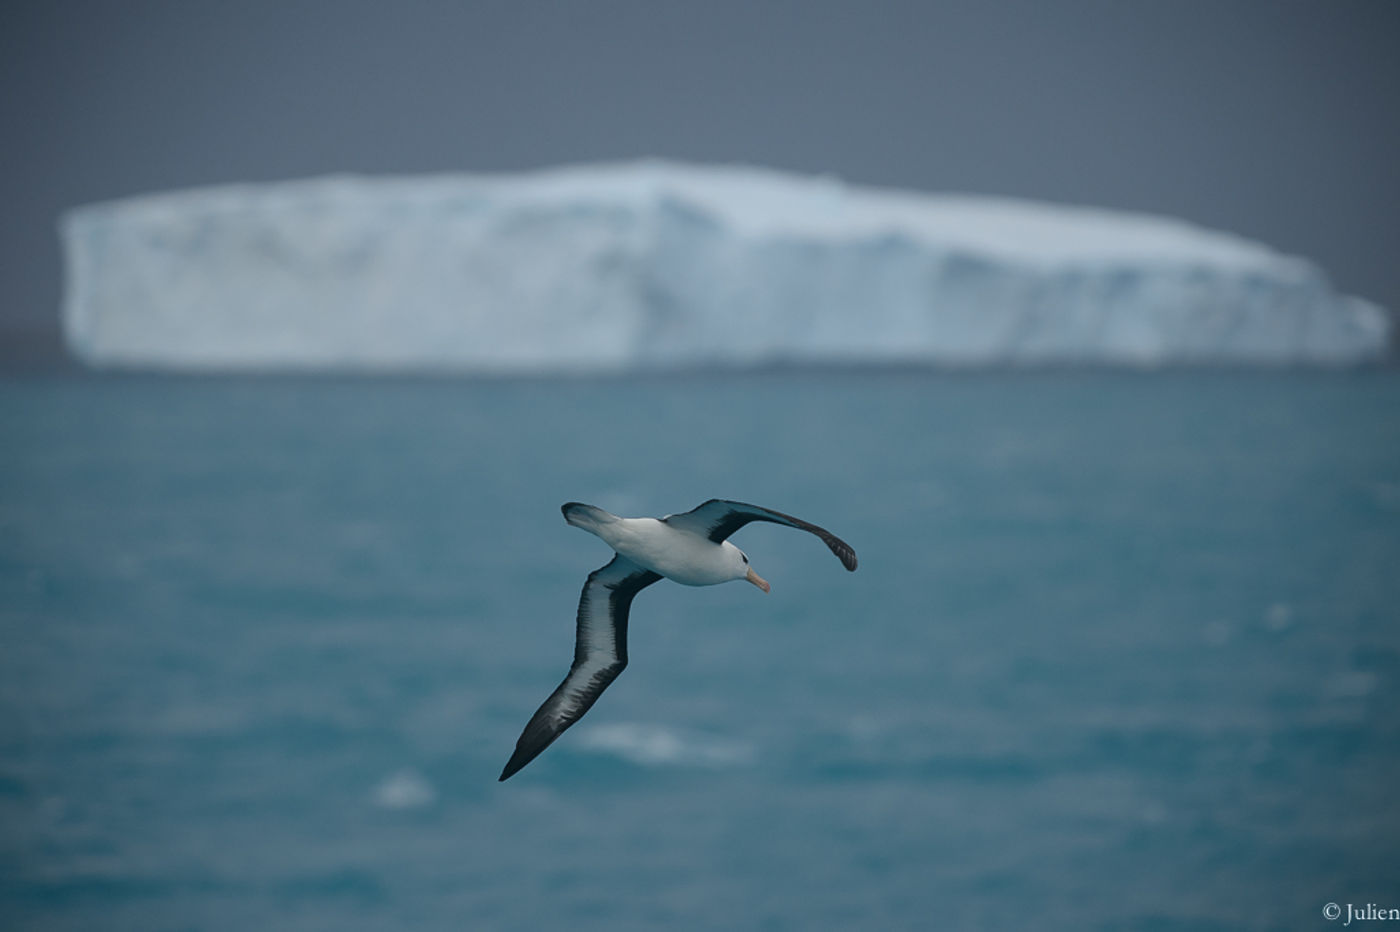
[{"x": 739, "y": 564}]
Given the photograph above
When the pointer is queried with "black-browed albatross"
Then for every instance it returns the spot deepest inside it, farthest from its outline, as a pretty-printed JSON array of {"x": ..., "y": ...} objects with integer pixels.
[{"x": 691, "y": 548}]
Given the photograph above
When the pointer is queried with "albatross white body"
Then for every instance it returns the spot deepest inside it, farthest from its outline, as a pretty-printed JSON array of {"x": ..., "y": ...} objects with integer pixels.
[
  {"x": 690, "y": 548},
  {"x": 652, "y": 544}
]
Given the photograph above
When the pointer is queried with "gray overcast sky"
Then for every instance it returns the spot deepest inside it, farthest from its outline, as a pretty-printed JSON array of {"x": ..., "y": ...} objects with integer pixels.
[{"x": 1276, "y": 120}]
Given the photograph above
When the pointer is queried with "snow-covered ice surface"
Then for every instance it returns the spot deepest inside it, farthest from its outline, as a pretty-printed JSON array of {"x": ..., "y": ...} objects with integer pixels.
[{"x": 651, "y": 265}]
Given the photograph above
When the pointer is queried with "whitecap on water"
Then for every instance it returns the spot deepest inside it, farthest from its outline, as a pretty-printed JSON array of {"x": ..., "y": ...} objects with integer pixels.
[
  {"x": 1353, "y": 684},
  {"x": 405, "y": 789},
  {"x": 659, "y": 746},
  {"x": 1279, "y": 617}
]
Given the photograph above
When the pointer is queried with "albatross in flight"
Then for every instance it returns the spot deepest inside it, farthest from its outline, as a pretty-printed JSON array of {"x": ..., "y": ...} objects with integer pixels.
[{"x": 691, "y": 548}]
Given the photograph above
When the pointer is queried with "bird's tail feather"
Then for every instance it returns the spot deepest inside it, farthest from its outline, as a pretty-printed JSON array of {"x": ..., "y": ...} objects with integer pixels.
[{"x": 586, "y": 516}]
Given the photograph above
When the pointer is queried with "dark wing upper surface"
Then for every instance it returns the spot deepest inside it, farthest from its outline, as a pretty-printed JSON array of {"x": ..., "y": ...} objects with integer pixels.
[
  {"x": 600, "y": 653},
  {"x": 717, "y": 519}
]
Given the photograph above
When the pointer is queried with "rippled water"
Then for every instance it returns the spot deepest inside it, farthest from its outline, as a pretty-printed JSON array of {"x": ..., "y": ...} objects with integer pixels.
[{"x": 1123, "y": 652}]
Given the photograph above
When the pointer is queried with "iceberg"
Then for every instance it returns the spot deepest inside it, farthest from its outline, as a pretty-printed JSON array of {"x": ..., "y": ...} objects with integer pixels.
[{"x": 655, "y": 265}]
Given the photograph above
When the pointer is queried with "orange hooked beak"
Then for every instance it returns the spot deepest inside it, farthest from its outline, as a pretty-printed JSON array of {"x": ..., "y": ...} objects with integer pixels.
[{"x": 758, "y": 580}]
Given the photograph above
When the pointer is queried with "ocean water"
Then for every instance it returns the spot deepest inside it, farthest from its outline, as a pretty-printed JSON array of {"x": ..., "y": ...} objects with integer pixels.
[{"x": 1123, "y": 652}]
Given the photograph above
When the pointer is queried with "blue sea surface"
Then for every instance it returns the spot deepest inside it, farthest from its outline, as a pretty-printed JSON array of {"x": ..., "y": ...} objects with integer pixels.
[{"x": 1123, "y": 652}]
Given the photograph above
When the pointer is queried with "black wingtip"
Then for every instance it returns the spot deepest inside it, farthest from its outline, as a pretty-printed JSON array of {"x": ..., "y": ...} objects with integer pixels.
[
  {"x": 528, "y": 747},
  {"x": 843, "y": 551},
  {"x": 512, "y": 767}
]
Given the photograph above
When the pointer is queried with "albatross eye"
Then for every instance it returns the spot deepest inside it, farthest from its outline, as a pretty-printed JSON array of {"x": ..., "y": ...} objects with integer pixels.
[{"x": 746, "y": 559}]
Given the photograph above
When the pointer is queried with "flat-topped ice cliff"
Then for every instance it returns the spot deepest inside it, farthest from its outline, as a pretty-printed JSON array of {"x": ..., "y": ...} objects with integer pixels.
[{"x": 652, "y": 265}]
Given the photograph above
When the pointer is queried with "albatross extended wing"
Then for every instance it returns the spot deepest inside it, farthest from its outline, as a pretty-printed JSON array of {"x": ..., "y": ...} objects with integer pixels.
[
  {"x": 717, "y": 519},
  {"x": 600, "y": 653}
]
